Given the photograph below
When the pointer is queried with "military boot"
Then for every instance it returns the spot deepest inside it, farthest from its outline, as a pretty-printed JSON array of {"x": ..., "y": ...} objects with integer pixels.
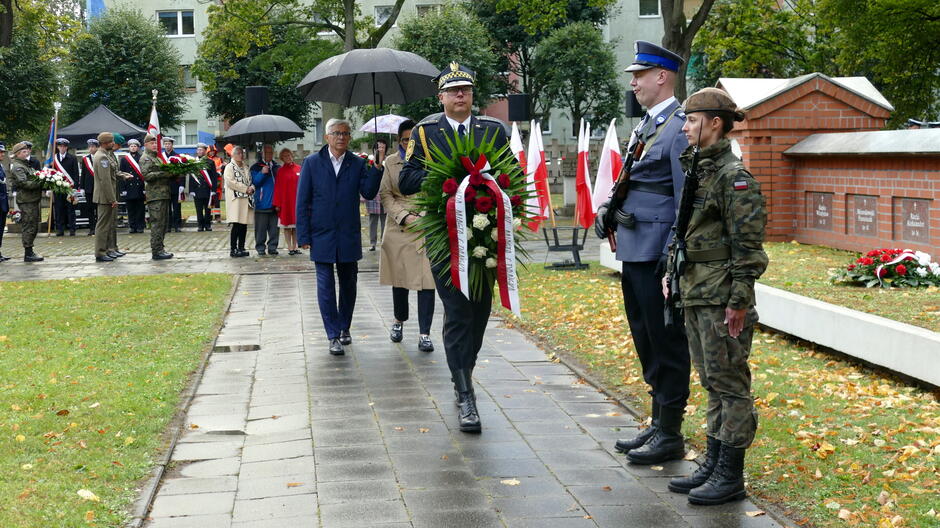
[
  {"x": 685, "y": 484},
  {"x": 624, "y": 445},
  {"x": 467, "y": 413},
  {"x": 665, "y": 444},
  {"x": 726, "y": 483},
  {"x": 29, "y": 256}
]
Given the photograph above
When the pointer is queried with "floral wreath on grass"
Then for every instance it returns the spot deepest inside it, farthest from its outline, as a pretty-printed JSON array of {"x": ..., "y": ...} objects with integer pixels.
[
  {"x": 182, "y": 165},
  {"x": 471, "y": 205},
  {"x": 890, "y": 267}
]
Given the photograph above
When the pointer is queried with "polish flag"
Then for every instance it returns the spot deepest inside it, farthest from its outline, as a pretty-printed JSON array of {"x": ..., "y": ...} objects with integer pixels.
[
  {"x": 540, "y": 199},
  {"x": 153, "y": 128},
  {"x": 584, "y": 209},
  {"x": 609, "y": 168},
  {"x": 515, "y": 145}
]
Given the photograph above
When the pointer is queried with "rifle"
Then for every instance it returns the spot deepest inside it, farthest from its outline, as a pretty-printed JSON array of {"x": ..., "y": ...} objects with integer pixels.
[
  {"x": 619, "y": 194},
  {"x": 670, "y": 311}
]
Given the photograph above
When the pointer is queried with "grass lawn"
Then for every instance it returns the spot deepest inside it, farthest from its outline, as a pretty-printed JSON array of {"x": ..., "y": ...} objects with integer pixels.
[
  {"x": 90, "y": 375},
  {"x": 804, "y": 270},
  {"x": 837, "y": 445}
]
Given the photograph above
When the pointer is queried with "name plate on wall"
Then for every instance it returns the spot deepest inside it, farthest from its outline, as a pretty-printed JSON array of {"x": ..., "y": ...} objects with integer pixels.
[
  {"x": 819, "y": 210},
  {"x": 865, "y": 214},
  {"x": 913, "y": 219}
]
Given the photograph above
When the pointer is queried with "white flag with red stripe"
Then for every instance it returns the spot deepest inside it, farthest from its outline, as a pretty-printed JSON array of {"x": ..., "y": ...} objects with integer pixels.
[
  {"x": 153, "y": 128},
  {"x": 515, "y": 145},
  {"x": 540, "y": 199},
  {"x": 609, "y": 168}
]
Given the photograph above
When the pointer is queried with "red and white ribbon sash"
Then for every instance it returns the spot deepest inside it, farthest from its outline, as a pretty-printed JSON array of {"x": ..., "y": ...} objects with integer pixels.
[
  {"x": 205, "y": 174},
  {"x": 88, "y": 165},
  {"x": 903, "y": 256},
  {"x": 505, "y": 243},
  {"x": 134, "y": 165},
  {"x": 58, "y": 166}
]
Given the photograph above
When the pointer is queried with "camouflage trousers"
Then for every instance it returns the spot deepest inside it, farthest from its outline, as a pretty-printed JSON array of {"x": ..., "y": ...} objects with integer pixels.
[
  {"x": 721, "y": 363},
  {"x": 29, "y": 220},
  {"x": 159, "y": 211}
]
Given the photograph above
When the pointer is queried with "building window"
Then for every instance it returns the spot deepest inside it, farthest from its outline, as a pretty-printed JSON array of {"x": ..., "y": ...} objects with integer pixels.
[
  {"x": 427, "y": 9},
  {"x": 190, "y": 134},
  {"x": 649, "y": 8},
  {"x": 186, "y": 76},
  {"x": 382, "y": 13},
  {"x": 317, "y": 127},
  {"x": 177, "y": 23}
]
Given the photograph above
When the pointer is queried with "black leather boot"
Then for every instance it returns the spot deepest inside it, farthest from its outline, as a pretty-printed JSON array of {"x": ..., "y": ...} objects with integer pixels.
[
  {"x": 665, "y": 444},
  {"x": 29, "y": 256},
  {"x": 726, "y": 483},
  {"x": 467, "y": 413},
  {"x": 626, "y": 444},
  {"x": 686, "y": 484}
]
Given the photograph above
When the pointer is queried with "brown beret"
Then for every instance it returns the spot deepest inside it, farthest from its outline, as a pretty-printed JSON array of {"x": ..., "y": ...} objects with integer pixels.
[
  {"x": 22, "y": 145},
  {"x": 105, "y": 137},
  {"x": 713, "y": 100},
  {"x": 149, "y": 137}
]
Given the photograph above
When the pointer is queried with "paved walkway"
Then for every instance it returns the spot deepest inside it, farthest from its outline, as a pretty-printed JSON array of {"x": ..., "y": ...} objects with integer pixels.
[{"x": 281, "y": 434}]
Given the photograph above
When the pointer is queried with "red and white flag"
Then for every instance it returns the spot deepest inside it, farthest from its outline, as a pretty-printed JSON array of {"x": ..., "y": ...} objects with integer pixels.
[
  {"x": 515, "y": 145},
  {"x": 609, "y": 168},
  {"x": 582, "y": 183},
  {"x": 153, "y": 128},
  {"x": 540, "y": 199}
]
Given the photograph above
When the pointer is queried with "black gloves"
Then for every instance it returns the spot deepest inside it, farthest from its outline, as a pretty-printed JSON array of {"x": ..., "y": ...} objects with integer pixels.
[{"x": 600, "y": 227}]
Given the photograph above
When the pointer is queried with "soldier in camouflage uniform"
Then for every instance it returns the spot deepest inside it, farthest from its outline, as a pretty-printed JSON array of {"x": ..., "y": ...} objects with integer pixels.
[
  {"x": 157, "y": 185},
  {"x": 725, "y": 256},
  {"x": 28, "y": 192}
]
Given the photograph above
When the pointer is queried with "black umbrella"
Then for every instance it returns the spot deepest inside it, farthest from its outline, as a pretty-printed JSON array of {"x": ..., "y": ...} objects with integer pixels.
[
  {"x": 101, "y": 119},
  {"x": 263, "y": 128},
  {"x": 370, "y": 76}
]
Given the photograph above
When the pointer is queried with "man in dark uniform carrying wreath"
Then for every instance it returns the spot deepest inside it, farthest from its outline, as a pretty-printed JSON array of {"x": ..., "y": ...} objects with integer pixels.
[{"x": 464, "y": 319}]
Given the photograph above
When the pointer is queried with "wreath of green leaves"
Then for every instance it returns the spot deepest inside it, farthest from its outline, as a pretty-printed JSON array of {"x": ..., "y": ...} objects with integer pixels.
[{"x": 431, "y": 202}]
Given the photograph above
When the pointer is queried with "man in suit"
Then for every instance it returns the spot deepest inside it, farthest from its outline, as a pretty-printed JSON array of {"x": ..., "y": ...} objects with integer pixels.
[
  {"x": 331, "y": 182},
  {"x": 644, "y": 224},
  {"x": 132, "y": 189},
  {"x": 88, "y": 184},
  {"x": 464, "y": 319},
  {"x": 202, "y": 187},
  {"x": 4, "y": 198},
  {"x": 64, "y": 210},
  {"x": 176, "y": 189}
]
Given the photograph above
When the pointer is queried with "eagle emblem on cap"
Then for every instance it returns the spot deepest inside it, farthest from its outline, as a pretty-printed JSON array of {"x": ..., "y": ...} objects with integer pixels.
[{"x": 454, "y": 66}]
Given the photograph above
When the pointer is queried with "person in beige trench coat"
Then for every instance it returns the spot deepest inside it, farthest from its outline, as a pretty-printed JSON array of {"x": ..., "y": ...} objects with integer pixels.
[
  {"x": 403, "y": 264},
  {"x": 238, "y": 211}
]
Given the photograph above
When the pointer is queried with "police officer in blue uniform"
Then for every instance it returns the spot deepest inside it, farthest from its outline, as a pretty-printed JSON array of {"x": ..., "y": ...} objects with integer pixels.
[
  {"x": 464, "y": 320},
  {"x": 643, "y": 229}
]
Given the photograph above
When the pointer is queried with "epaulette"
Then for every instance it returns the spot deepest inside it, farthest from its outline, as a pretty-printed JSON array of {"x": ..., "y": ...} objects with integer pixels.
[
  {"x": 431, "y": 119},
  {"x": 680, "y": 113},
  {"x": 490, "y": 119}
]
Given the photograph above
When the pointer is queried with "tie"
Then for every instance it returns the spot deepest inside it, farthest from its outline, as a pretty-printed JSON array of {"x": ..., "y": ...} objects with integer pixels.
[
  {"x": 461, "y": 130},
  {"x": 647, "y": 128}
]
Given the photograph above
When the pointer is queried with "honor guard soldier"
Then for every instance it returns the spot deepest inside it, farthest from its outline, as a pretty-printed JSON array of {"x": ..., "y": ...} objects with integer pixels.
[
  {"x": 28, "y": 192},
  {"x": 157, "y": 185},
  {"x": 132, "y": 189},
  {"x": 202, "y": 187},
  {"x": 644, "y": 221},
  {"x": 107, "y": 174},
  {"x": 723, "y": 219},
  {"x": 4, "y": 198},
  {"x": 88, "y": 184},
  {"x": 176, "y": 189},
  {"x": 464, "y": 319},
  {"x": 64, "y": 209}
]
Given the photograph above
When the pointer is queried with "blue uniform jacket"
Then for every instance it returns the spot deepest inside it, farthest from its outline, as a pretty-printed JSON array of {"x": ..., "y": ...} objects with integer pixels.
[
  {"x": 655, "y": 213},
  {"x": 328, "y": 205},
  {"x": 264, "y": 185},
  {"x": 4, "y": 199}
]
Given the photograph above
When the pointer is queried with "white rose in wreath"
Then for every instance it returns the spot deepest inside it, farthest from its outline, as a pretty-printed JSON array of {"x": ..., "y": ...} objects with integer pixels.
[
  {"x": 494, "y": 234},
  {"x": 480, "y": 221},
  {"x": 479, "y": 251},
  {"x": 517, "y": 222},
  {"x": 491, "y": 262}
]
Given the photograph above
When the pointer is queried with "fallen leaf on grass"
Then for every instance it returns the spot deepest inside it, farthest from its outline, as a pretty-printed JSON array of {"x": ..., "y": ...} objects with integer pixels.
[
  {"x": 755, "y": 513},
  {"x": 818, "y": 475},
  {"x": 94, "y": 405},
  {"x": 845, "y": 514},
  {"x": 87, "y": 495},
  {"x": 20, "y": 438},
  {"x": 691, "y": 455},
  {"x": 63, "y": 412},
  {"x": 883, "y": 497},
  {"x": 833, "y": 505},
  {"x": 193, "y": 426},
  {"x": 89, "y": 516},
  {"x": 510, "y": 482}
]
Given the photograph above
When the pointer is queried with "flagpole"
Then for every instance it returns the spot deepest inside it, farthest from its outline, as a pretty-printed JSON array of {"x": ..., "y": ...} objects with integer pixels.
[{"x": 52, "y": 133}]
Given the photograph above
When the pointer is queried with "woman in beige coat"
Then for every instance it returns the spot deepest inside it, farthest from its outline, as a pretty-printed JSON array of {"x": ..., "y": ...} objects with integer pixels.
[
  {"x": 403, "y": 264},
  {"x": 238, "y": 207}
]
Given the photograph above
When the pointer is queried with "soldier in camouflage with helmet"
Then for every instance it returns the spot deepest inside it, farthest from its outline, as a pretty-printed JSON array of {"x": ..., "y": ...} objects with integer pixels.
[{"x": 725, "y": 255}]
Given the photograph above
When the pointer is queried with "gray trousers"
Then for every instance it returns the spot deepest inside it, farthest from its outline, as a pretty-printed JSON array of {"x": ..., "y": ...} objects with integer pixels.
[{"x": 266, "y": 230}]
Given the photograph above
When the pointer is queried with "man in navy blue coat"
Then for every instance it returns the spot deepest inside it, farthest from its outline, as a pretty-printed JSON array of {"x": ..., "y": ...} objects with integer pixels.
[
  {"x": 4, "y": 199},
  {"x": 331, "y": 182}
]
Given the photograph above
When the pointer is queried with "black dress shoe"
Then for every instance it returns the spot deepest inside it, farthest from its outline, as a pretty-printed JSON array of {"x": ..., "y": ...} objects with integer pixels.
[
  {"x": 91, "y": 232},
  {"x": 396, "y": 334},
  {"x": 233, "y": 253},
  {"x": 425, "y": 344},
  {"x": 199, "y": 229},
  {"x": 345, "y": 338},
  {"x": 113, "y": 255},
  {"x": 72, "y": 233},
  {"x": 272, "y": 252},
  {"x": 104, "y": 258},
  {"x": 163, "y": 255},
  {"x": 2, "y": 258},
  {"x": 208, "y": 228},
  {"x": 119, "y": 253},
  {"x": 59, "y": 233},
  {"x": 624, "y": 445},
  {"x": 243, "y": 253},
  {"x": 336, "y": 348},
  {"x": 260, "y": 252}
]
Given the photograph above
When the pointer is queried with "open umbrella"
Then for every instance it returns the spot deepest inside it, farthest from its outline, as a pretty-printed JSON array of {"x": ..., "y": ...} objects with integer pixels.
[
  {"x": 263, "y": 128},
  {"x": 383, "y": 124}
]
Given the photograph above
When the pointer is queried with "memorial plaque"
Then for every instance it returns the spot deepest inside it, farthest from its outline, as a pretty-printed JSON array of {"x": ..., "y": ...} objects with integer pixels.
[
  {"x": 819, "y": 207},
  {"x": 915, "y": 220},
  {"x": 865, "y": 209}
]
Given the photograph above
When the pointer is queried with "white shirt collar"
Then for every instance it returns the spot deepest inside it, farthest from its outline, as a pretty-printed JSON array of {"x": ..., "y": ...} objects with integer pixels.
[
  {"x": 454, "y": 124},
  {"x": 337, "y": 162},
  {"x": 658, "y": 109}
]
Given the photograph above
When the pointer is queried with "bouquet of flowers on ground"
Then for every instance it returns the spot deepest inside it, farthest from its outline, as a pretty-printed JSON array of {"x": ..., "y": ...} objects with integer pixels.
[
  {"x": 55, "y": 181},
  {"x": 183, "y": 165},
  {"x": 891, "y": 267},
  {"x": 472, "y": 204}
]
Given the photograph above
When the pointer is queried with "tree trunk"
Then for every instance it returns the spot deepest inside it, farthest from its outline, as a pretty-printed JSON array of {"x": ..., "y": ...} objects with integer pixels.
[
  {"x": 6, "y": 23},
  {"x": 679, "y": 34}
]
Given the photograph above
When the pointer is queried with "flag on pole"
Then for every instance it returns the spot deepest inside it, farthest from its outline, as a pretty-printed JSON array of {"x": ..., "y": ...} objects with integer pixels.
[
  {"x": 540, "y": 199},
  {"x": 153, "y": 128},
  {"x": 609, "y": 168},
  {"x": 515, "y": 145},
  {"x": 50, "y": 146},
  {"x": 584, "y": 208}
]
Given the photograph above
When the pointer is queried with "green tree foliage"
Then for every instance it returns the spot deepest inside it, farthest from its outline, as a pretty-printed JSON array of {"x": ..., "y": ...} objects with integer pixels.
[
  {"x": 679, "y": 30},
  {"x": 278, "y": 58},
  {"x": 117, "y": 62},
  {"x": 517, "y": 27},
  {"x": 584, "y": 87},
  {"x": 453, "y": 34}
]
